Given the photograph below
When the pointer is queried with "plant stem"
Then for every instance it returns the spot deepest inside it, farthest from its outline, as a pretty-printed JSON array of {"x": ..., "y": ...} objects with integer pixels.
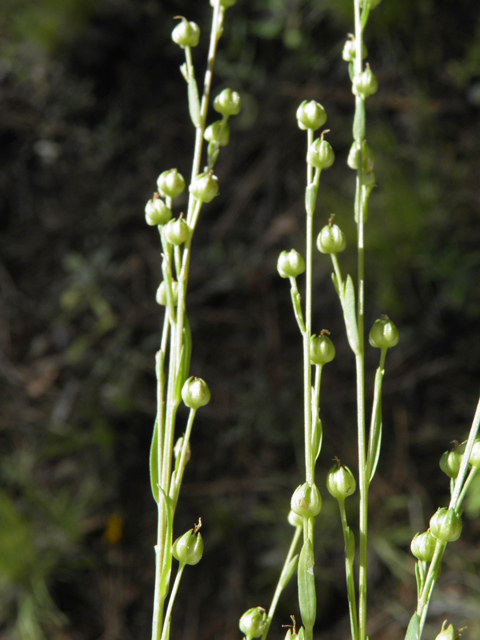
[
  {"x": 168, "y": 613},
  {"x": 352, "y": 605},
  {"x": 280, "y": 586}
]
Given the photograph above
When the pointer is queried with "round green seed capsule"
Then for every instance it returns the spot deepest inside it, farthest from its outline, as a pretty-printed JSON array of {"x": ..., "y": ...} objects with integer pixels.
[
  {"x": 320, "y": 154},
  {"x": 383, "y": 334},
  {"x": 157, "y": 212},
  {"x": 340, "y": 482},
  {"x": 161, "y": 296},
  {"x": 186, "y": 34},
  {"x": 227, "y": 103},
  {"x": 204, "y": 187},
  {"x": 177, "y": 231},
  {"x": 218, "y": 133},
  {"x": 447, "y": 633},
  {"x": 446, "y": 525},
  {"x": 423, "y": 546},
  {"x": 188, "y": 549},
  {"x": 311, "y": 115},
  {"x": 365, "y": 84},
  {"x": 349, "y": 52},
  {"x": 450, "y": 462},
  {"x": 474, "y": 459},
  {"x": 195, "y": 393},
  {"x": 170, "y": 183},
  {"x": 306, "y": 501},
  {"x": 322, "y": 349},
  {"x": 331, "y": 239},
  {"x": 253, "y": 622},
  {"x": 290, "y": 264}
]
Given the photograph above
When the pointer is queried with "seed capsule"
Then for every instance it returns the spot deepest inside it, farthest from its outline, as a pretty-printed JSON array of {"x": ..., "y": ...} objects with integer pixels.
[
  {"x": 311, "y": 115},
  {"x": 204, "y": 187},
  {"x": 423, "y": 546},
  {"x": 321, "y": 154},
  {"x": 340, "y": 482},
  {"x": 227, "y": 103},
  {"x": 177, "y": 231},
  {"x": 253, "y": 622},
  {"x": 365, "y": 84},
  {"x": 446, "y": 525},
  {"x": 290, "y": 264},
  {"x": 188, "y": 549},
  {"x": 161, "y": 296},
  {"x": 170, "y": 183},
  {"x": 218, "y": 133},
  {"x": 186, "y": 34},
  {"x": 157, "y": 212},
  {"x": 383, "y": 334},
  {"x": 322, "y": 349},
  {"x": 450, "y": 462},
  {"x": 306, "y": 501},
  {"x": 331, "y": 239},
  {"x": 349, "y": 52},
  {"x": 447, "y": 633},
  {"x": 195, "y": 393},
  {"x": 474, "y": 459}
]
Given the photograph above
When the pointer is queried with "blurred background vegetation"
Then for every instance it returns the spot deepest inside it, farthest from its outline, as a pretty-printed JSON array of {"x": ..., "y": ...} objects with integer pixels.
[{"x": 92, "y": 109}]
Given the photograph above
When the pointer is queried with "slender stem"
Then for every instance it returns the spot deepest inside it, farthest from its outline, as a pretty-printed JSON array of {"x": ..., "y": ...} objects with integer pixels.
[
  {"x": 168, "y": 613},
  {"x": 470, "y": 477},
  {"x": 178, "y": 475},
  {"x": 455, "y": 500},
  {"x": 352, "y": 604},
  {"x": 280, "y": 586},
  {"x": 425, "y": 596}
]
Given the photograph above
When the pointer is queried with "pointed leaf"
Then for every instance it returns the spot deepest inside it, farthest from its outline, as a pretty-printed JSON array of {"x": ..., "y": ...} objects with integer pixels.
[
  {"x": 193, "y": 101},
  {"x": 289, "y": 571},
  {"x": 350, "y": 314},
  {"x": 413, "y": 631},
  {"x": 317, "y": 438},
  {"x": 307, "y": 598},
  {"x": 335, "y": 283},
  {"x": 154, "y": 466},
  {"x": 311, "y": 198}
]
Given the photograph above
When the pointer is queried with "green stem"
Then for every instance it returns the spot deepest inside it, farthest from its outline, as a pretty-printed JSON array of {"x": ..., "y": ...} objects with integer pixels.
[
  {"x": 470, "y": 477},
  {"x": 425, "y": 596},
  {"x": 178, "y": 474},
  {"x": 352, "y": 603},
  {"x": 168, "y": 613},
  {"x": 455, "y": 500},
  {"x": 280, "y": 586}
]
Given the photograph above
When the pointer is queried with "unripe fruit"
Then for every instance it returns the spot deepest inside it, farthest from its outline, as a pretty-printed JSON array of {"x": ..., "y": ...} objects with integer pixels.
[
  {"x": 447, "y": 633},
  {"x": 253, "y": 622},
  {"x": 349, "y": 52},
  {"x": 177, "y": 231},
  {"x": 227, "y": 103},
  {"x": 195, "y": 393},
  {"x": 157, "y": 212},
  {"x": 186, "y": 34},
  {"x": 170, "y": 183},
  {"x": 320, "y": 154},
  {"x": 365, "y": 84},
  {"x": 218, "y": 133},
  {"x": 322, "y": 349},
  {"x": 340, "y": 482},
  {"x": 188, "y": 549},
  {"x": 450, "y": 462},
  {"x": 368, "y": 157},
  {"x": 423, "y": 546},
  {"x": 474, "y": 459},
  {"x": 306, "y": 501},
  {"x": 383, "y": 334},
  {"x": 161, "y": 296},
  {"x": 446, "y": 525},
  {"x": 311, "y": 115},
  {"x": 331, "y": 239},
  {"x": 204, "y": 187},
  {"x": 290, "y": 264},
  {"x": 294, "y": 519}
]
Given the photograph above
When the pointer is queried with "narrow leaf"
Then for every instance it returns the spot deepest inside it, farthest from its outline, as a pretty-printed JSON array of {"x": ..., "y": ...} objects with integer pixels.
[
  {"x": 349, "y": 545},
  {"x": 349, "y": 312},
  {"x": 335, "y": 283},
  {"x": 375, "y": 442},
  {"x": 297, "y": 309},
  {"x": 289, "y": 571},
  {"x": 154, "y": 471},
  {"x": 359, "y": 121},
  {"x": 167, "y": 559},
  {"x": 307, "y": 598},
  {"x": 317, "y": 438},
  {"x": 179, "y": 378},
  {"x": 311, "y": 198},
  {"x": 193, "y": 101},
  {"x": 413, "y": 631},
  {"x": 418, "y": 577}
]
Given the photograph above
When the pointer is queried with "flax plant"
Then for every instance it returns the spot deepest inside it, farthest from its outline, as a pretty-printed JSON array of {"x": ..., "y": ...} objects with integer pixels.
[
  {"x": 167, "y": 458},
  {"x": 306, "y": 502}
]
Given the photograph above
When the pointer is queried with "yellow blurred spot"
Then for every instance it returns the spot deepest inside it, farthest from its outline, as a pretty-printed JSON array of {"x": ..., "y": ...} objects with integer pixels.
[{"x": 114, "y": 530}]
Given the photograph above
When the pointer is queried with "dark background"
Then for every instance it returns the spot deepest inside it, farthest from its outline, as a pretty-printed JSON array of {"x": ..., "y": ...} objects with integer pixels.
[{"x": 92, "y": 109}]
